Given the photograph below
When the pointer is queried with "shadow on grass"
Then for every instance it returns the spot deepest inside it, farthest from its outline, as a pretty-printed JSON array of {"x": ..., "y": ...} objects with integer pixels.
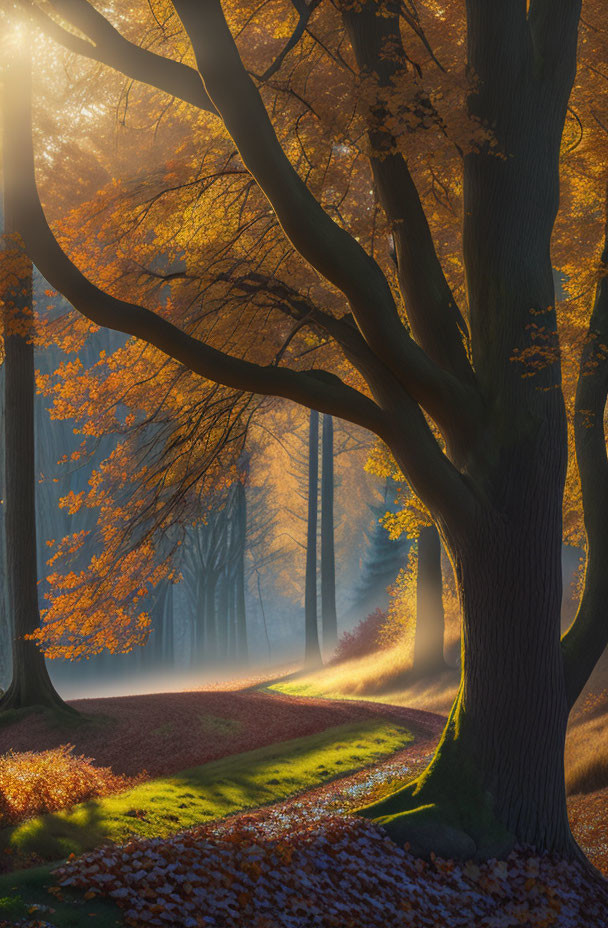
[
  {"x": 55, "y": 718},
  {"x": 33, "y": 894},
  {"x": 161, "y": 807},
  {"x": 55, "y": 836}
]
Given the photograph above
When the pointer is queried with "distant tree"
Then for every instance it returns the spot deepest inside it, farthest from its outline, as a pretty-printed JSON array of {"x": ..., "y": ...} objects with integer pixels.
[
  {"x": 329, "y": 617},
  {"x": 312, "y": 650},
  {"x": 384, "y": 557},
  {"x": 430, "y": 617},
  {"x": 30, "y": 682}
]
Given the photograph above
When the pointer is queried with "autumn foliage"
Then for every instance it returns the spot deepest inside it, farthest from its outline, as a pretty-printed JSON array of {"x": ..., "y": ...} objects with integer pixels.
[
  {"x": 363, "y": 639},
  {"x": 33, "y": 783}
]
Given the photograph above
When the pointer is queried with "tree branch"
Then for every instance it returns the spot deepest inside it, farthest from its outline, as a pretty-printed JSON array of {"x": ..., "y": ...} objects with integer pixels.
[
  {"x": 109, "y": 47},
  {"x": 333, "y": 252},
  {"x": 315, "y": 389},
  {"x": 305, "y": 12},
  {"x": 436, "y": 321},
  {"x": 328, "y": 248},
  {"x": 390, "y": 361},
  {"x": 587, "y": 637}
]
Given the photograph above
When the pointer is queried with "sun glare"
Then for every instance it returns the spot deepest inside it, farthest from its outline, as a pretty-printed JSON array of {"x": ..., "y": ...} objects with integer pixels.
[{"x": 13, "y": 34}]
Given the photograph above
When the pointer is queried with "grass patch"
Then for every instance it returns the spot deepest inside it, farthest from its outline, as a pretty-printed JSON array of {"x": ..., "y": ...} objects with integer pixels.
[
  {"x": 587, "y": 776},
  {"x": 355, "y": 680},
  {"x": 244, "y": 781},
  {"x": 34, "y": 894},
  {"x": 300, "y": 688},
  {"x": 220, "y": 727}
]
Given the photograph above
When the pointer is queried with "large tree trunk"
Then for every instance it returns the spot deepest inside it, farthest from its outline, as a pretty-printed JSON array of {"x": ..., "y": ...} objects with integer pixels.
[
  {"x": 328, "y": 559},
  {"x": 31, "y": 684},
  {"x": 497, "y": 776},
  {"x": 430, "y": 617},
  {"x": 312, "y": 651}
]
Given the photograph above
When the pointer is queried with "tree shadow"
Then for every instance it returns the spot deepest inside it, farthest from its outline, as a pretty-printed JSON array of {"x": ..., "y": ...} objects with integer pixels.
[{"x": 53, "y": 836}]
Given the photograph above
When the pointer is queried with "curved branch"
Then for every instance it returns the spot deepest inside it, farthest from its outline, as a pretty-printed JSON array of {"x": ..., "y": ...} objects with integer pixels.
[
  {"x": 440, "y": 484},
  {"x": 315, "y": 389},
  {"x": 107, "y": 46},
  {"x": 305, "y": 12},
  {"x": 328, "y": 248},
  {"x": 436, "y": 321},
  {"x": 587, "y": 637},
  {"x": 354, "y": 272}
]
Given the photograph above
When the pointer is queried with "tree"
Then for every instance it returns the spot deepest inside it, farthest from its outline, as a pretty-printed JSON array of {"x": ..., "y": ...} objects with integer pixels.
[
  {"x": 30, "y": 684},
  {"x": 430, "y": 618},
  {"x": 329, "y": 617},
  {"x": 386, "y": 554},
  {"x": 491, "y": 468},
  {"x": 312, "y": 651}
]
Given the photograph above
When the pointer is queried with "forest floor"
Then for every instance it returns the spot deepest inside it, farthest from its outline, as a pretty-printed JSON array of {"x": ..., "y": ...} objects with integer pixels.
[
  {"x": 161, "y": 733},
  {"x": 185, "y": 858}
]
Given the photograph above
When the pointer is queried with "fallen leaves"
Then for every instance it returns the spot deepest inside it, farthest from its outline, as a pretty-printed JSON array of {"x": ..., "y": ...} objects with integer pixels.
[
  {"x": 163, "y": 733},
  {"x": 333, "y": 872}
]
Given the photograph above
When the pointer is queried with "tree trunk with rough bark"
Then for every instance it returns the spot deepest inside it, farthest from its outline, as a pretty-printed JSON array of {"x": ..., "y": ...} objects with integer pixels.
[
  {"x": 498, "y": 774},
  {"x": 498, "y": 777}
]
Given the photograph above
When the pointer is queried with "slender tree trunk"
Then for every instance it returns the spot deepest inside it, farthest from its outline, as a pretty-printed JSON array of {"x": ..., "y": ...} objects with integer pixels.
[
  {"x": 199, "y": 624},
  {"x": 231, "y": 618},
  {"x": 312, "y": 651},
  {"x": 328, "y": 558},
  {"x": 163, "y": 646},
  {"x": 430, "y": 618},
  {"x": 31, "y": 684},
  {"x": 242, "y": 648},
  {"x": 263, "y": 611},
  {"x": 210, "y": 655},
  {"x": 168, "y": 628},
  {"x": 222, "y": 617}
]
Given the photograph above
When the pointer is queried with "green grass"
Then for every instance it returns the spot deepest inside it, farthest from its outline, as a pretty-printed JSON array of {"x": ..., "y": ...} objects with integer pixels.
[
  {"x": 20, "y": 892},
  {"x": 303, "y": 689},
  {"x": 163, "y": 806}
]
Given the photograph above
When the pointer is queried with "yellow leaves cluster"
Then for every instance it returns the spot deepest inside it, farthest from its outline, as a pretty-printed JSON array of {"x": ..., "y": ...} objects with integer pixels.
[{"x": 33, "y": 783}]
